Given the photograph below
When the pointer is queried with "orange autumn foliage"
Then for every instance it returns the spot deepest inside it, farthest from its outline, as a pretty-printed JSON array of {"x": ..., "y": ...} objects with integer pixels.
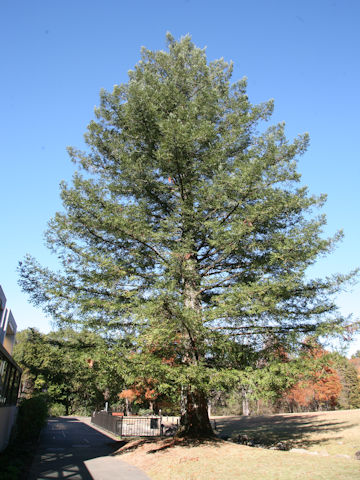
[
  {"x": 321, "y": 389},
  {"x": 129, "y": 394},
  {"x": 139, "y": 392}
]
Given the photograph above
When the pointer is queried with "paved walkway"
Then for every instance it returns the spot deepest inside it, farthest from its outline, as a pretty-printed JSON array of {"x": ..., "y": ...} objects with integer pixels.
[{"x": 71, "y": 449}]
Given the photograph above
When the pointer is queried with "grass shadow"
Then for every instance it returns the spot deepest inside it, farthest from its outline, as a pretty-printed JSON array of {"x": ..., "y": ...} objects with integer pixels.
[
  {"x": 301, "y": 431},
  {"x": 282, "y": 431}
]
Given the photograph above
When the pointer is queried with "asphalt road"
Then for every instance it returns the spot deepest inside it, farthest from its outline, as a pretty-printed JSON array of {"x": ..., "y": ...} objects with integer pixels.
[{"x": 71, "y": 449}]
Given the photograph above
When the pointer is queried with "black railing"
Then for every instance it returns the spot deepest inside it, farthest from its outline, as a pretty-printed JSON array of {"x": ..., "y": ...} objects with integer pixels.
[{"x": 129, "y": 426}]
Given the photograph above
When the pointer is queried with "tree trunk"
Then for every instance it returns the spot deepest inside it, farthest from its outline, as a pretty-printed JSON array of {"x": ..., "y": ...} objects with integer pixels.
[
  {"x": 67, "y": 405},
  {"x": 245, "y": 403},
  {"x": 127, "y": 407},
  {"x": 195, "y": 422},
  {"x": 245, "y": 407}
]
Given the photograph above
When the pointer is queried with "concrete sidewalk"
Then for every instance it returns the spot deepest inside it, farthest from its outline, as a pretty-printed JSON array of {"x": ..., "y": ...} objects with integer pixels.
[{"x": 70, "y": 448}]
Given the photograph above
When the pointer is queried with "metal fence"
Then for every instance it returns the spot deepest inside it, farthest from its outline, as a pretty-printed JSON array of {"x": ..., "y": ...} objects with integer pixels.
[{"x": 129, "y": 426}]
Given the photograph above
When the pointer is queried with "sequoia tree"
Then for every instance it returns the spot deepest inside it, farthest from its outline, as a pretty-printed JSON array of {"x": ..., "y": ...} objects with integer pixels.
[{"x": 188, "y": 229}]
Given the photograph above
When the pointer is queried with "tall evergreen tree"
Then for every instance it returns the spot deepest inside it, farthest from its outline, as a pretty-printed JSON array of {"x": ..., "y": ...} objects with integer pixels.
[{"x": 188, "y": 229}]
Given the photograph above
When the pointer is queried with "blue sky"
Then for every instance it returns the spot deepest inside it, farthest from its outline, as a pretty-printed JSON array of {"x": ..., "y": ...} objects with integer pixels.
[{"x": 55, "y": 56}]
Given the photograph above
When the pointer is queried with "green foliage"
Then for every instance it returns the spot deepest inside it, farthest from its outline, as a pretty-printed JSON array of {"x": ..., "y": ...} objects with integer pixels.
[
  {"x": 57, "y": 410},
  {"x": 189, "y": 234},
  {"x": 58, "y": 364},
  {"x": 350, "y": 394},
  {"x": 10, "y": 468},
  {"x": 31, "y": 417},
  {"x": 145, "y": 411}
]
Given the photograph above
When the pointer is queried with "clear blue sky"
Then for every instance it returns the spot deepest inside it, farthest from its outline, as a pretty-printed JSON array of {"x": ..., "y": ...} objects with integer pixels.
[{"x": 57, "y": 55}]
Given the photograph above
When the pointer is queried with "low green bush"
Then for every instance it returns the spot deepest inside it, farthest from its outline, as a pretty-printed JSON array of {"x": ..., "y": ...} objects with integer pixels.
[
  {"x": 145, "y": 411},
  {"x": 32, "y": 416},
  {"x": 57, "y": 410},
  {"x": 9, "y": 472},
  {"x": 83, "y": 411}
]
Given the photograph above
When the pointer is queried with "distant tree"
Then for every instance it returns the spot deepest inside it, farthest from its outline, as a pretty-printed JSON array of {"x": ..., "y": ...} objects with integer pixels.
[
  {"x": 143, "y": 393},
  {"x": 264, "y": 382},
  {"x": 355, "y": 361},
  {"x": 67, "y": 365},
  {"x": 350, "y": 381},
  {"x": 189, "y": 229},
  {"x": 312, "y": 380},
  {"x": 319, "y": 388},
  {"x": 32, "y": 354}
]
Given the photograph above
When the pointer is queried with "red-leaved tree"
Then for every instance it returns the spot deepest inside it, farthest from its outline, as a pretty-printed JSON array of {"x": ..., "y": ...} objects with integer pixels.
[{"x": 318, "y": 390}]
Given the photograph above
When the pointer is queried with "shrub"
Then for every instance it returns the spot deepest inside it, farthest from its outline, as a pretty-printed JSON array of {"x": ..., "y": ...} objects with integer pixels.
[
  {"x": 32, "y": 417},
  {"x": 145, "y": 411},
  {"x": 10, "y": 472},
  {"x": 57, "y": 410},
  {"x": 83, "y": 411}
]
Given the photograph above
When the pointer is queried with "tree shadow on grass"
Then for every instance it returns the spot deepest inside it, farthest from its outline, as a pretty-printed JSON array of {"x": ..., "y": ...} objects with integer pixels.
[
  {"x": 292, "y": 431},
  {"x": 302, "y": 431}
]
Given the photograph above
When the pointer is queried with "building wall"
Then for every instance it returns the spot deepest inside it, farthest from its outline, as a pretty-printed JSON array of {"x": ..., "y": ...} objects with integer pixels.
[
  {"x": 10, "y": 372},
  {"x": 7, "y": 324},
  {"x": 7, "y": 420},
  {"x": 3, "y": 314},
  {"x": 9, "y": 332}
]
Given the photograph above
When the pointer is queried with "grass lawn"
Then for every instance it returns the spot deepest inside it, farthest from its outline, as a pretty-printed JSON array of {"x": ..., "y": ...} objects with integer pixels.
[{"x": 323, "y": 447}]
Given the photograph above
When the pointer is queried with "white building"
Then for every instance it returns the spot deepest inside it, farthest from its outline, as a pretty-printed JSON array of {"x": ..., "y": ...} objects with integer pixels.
[{"x": 10, "y": 372}]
